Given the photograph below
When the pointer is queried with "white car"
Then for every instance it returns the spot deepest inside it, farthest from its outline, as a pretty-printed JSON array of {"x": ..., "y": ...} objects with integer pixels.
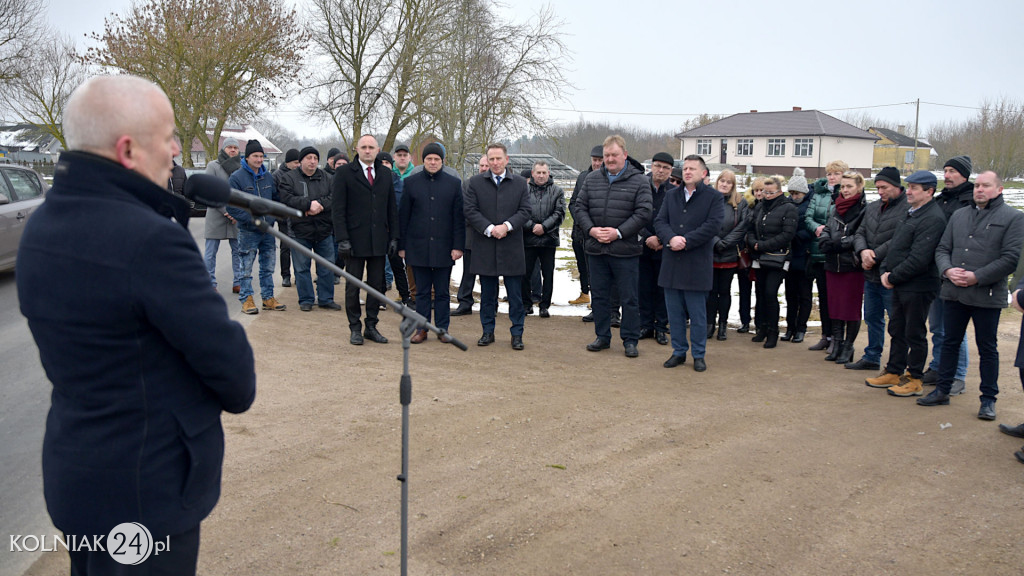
[{"x": 21, "y": 191}]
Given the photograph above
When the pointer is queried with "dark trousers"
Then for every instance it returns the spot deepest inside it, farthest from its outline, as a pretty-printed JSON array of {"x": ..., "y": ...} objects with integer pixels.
[
  {"x": 768, "y": 282},
  {"x": 986, "y": 323},
  {"x": 651, "y": 297},
  {"x": 798, "y": 300},
  {"x": 606, "y": 272},
  {"x": 720, "y": 297},
  {"x": 437, "y": 279},
  {"x": 286, "y": 252},
  {"x": 401, "y": 280},
  {"x": 816, "y": 273},
  {"x": 374, "y": 267},
  {"x": 578, "y": 243},
  {"x": 746, "y": 288},
  {"x": 489, "y": 303},
  {"x": 546, "y": 257},
  {"x": 908, "y": 332},
  {"x": 179, "y": 560},
  {"x": 465, "y": 294}
]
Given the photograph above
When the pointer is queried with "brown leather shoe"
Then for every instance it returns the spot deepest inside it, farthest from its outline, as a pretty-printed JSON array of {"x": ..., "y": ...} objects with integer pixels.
[{"x": 419, "y": 337}]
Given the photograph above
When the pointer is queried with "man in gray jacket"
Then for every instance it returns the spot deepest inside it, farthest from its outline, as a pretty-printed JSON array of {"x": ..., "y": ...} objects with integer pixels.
[
  {"x": 219, "y": 224},
  {"x": 978, "y": 250}
]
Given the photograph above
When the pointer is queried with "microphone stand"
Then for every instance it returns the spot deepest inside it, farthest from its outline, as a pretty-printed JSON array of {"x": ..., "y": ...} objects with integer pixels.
[{"x": 411, "y": 321}]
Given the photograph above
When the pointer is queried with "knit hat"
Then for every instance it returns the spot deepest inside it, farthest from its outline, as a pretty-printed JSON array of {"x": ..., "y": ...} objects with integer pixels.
[
  {"x": 433, "y": 148},
  {"x": 597, "y": 152},
  {"x": 889, "y": 174},
  {"x": 292, "y": 155},
  {"x": 798, "y": 183},
  {"x": 383, "y": 156},
  {"x": 924, "y": 178},
  {"x": 664, "y": 157},
  {"x": 961, "y": 164},
  {"x": 230, "y": 141},
  {"x": 340, "y": 156},
  {"x": 307, "y": 151},
  {"x": 401, "y": 147},
  {"x": 332, "y": 153},
  {"x": 253, "y": 146}
]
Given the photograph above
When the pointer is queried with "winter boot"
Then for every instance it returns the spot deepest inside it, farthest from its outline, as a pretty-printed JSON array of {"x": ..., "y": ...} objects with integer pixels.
[{"x": 772, "y": 338}]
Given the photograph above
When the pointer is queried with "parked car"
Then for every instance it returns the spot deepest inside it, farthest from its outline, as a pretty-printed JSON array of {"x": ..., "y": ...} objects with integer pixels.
[{"x": 21, "y": 191}]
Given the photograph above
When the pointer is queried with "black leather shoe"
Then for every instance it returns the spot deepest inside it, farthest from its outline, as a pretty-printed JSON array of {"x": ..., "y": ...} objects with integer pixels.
[
  {"x": 631, "y": 350},
  {"x": 544, "y": 313},
  {"x": 787, "y": 336},
  {"x": 305, "y": 307},
  {"x": 1017, "y": 431},
  {"x": 460, "y": 311},
  {"x": 930, "y": 377},
  {"x": 598, "y": 345},
  {"x": 286, "y": 282},
  {"x": 987, "y": 410},
  {"x": 616, "y": 321},
  {"x": 371, "y": 334},
  {"x": 743, "y": 329},
  {"x": 1019, "y": 456},
  {"x": 759, "y": 336},
  {"x": 711, "y": 332},
  {"x": 699, "y": 365},
  {"x": 660, "y": 337},
  {"x": 487, "y": 338},
  {"x": 356, "y": 339},
  {"x": 332, "y": 305},
  {"x": 674, "y": 361},
  {"x": 861, "y": 364},
  {"x": 529, "y": 310},
  {"x": 798, "y": 337},
  {"x": 589, "y": 317},
  {"x": 517, "y": 342},
  {"x": 646, "y": 333},
  {"x": 934, "y": 398}
]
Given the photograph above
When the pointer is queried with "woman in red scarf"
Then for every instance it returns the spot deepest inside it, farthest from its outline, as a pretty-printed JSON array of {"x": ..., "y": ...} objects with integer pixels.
[{"x": 843, "y": 274}]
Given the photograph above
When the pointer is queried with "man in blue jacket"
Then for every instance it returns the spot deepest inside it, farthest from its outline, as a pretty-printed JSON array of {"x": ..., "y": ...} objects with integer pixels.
[
  {"x": 139, "y": 380},
  {"x": 254, "y": 178}
]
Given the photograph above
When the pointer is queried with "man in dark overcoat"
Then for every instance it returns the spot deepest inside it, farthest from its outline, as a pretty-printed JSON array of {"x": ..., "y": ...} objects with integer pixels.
[{"x": 497, "y": 207}]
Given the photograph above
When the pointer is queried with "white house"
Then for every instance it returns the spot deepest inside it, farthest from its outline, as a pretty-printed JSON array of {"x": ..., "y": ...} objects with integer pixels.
[
  {"x": 243, "y": 134},
  {"x": 776, "y": 142}
]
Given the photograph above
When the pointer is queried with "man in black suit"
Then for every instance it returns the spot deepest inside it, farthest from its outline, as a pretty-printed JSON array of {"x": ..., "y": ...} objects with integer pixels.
[{"x": 366, "y": 229}]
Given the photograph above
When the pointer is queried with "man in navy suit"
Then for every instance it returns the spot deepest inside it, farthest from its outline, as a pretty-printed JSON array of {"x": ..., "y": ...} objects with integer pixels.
[{"x": 139, "y": 379}]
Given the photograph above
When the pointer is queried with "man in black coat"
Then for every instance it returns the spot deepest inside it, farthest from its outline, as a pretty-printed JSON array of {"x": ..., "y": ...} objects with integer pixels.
[
  {"x": 366, "y": 229},
  {"x": 579, "y": 239},
  {"x": 291, "y": 162},
  {"x": 465, "y": 293},
  {"x": 653, "y": 315},
  {"x": 308, "y": 189},
  {"x": 612, "y": 208},
  {"x": 497, "y": 207},
  {"x": 139, "y": 378}
]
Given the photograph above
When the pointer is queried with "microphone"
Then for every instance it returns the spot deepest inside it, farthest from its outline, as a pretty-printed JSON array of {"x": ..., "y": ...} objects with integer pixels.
[{"x": 213, "y": 191}]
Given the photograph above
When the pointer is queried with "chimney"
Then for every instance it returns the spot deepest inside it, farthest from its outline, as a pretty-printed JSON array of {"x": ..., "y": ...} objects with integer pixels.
[
  {"x": 753, "y": 111},
  {"x": 902, "y": 129},
  {"x": 797, "y": 108}
]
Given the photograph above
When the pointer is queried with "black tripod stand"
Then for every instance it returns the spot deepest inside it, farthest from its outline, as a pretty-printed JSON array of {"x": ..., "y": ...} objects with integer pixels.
[{"x": 411, "y": 321}]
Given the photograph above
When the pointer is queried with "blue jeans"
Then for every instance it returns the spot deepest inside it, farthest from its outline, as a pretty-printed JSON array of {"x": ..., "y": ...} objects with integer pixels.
[
  {"x": 877, "y": 303},
  {"x": 324, "y": 278},
  {"x": 389, "y": 276},
  {"x": 683, "y": 305},
  {"x": 936, "y": 325},
  {"x": 986, "y": 323},
  {"x": 438, "y": 279},
  {"x": 489, "y": 302},
  {"x": 607, "y": 273},
  {"x": 210, "y": 257},
  {"x": 251, "y": 244}
]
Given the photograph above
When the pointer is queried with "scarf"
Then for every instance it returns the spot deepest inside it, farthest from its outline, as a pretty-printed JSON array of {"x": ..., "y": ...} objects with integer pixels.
[
  {"x": 843, "y": 204},
  {"x": 228, "y": 163}
]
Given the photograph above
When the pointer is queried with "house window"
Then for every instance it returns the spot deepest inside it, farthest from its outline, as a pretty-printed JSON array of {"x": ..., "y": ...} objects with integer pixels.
[
  {"x": 803, "y": 147},
  {"x": 908, "y": 157},
  {"x": 704, "y": 147},
  {"x": 776, "y": 146},
  {"x": 745, "y": 147}
]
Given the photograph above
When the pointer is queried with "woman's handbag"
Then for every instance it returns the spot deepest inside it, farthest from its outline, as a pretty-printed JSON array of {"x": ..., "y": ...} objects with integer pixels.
[
  {"x": 773, "y": 260},
  {"x": 745, "y": 260}
]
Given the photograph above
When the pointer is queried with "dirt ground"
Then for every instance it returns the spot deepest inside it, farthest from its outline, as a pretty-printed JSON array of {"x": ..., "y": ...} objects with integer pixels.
[{"x": 555, "y": 460}]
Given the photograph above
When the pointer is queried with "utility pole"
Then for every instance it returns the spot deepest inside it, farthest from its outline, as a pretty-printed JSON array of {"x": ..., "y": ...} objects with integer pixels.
[{"x": 917, "y": 118}]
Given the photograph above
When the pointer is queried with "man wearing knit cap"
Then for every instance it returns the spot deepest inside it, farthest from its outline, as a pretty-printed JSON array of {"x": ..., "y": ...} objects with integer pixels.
[
  {"x": 291, "y": 162},
  {"x": 308, "y": 190},
  {"x": 579, "y": 239},
  {"x": 403, "y": 161},
  {"x": 253, "y": 178},
  {"x": 653, "y": 314},
  {"x": 366, "y": 229},
  {"x": 219, "y": 225},
  {"x": 871, "y": 243},
  {"x": 799, "y": 297},
  {"x": 332, "y": 156},
  {"x": 958, "y": 193}
]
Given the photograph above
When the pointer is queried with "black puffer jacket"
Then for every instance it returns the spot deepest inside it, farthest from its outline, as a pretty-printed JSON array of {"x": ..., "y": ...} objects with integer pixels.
[
  {"x": 625, "y": 204},
  {"x": 772, "y": 226},
  {"x": 730, "y": 236},
  {"x": 953, "y": 199},
  {"x": 876, "y": 230},
  {"x": 836, "y": 239},
  {"x": 657, "y": 199},
  {"x": 547, "y": 208}
]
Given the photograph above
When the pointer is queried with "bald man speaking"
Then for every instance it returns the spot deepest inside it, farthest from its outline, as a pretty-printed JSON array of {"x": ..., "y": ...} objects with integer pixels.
[{"x": 136, "y": 342}]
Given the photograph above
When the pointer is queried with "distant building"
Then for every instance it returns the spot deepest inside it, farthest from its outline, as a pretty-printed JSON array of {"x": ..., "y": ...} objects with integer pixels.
[
  {"x": 243, "y": 134},
  {"x": 24, "y": 143},
  {"x": 896, "y": 149},
  {"x": 776, "y": 142}
]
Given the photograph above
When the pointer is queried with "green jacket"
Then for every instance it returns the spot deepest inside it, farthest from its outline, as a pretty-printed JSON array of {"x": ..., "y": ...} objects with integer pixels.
[
  {"x": 817, "y": 215},
  {"x": 403, "y": 175}
]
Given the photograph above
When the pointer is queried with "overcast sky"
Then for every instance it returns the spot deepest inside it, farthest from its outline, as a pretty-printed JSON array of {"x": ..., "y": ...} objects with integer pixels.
[{"x": 659, "y": 61}]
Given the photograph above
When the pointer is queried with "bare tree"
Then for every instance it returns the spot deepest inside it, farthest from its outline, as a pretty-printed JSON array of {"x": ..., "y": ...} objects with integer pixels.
[
  {"x": 994, "y": 139},
  {"x": 217, "y": 60},
  {"x": 20, "y": 30},
  {"x": 37, "y": 96}
]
